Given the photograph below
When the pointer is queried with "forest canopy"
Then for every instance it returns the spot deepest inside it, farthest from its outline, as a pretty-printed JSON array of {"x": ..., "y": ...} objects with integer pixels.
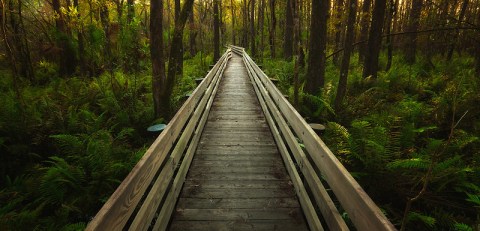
[{"x": 395, "y": 83}]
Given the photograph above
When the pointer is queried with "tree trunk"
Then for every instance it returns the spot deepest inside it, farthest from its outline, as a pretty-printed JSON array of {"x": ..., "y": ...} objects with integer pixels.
[
  {"x": 245, "y": 24},
  {"x": 390, "y": 19},
  {"x": 216, "y": 32},
  {"x": 81, "y": 45},
  {"x": 477, "y": 48},
  {"x": 130, "y": 10},
  {"x": 252, "y": 28},
  {"x": 413, "y": 24},
  {"x": 232, "y": 10},
  {"x": 67, "y": 60},
  {"x": 456, "y": 34},
  {"x": 193, "y": 34},
  {"x": 261, "y": 18},
  {"x": 365, "y": 23},
  {"x": 179, "y": 59},
  {"x": 104, "y": 15},
  {"x": 315, "y": 78},
  {"x": 289, "y": 30},
  {"x": 159, "y": 89},
  {"x": 19, "y": 41},
  {"x": 272, "y": 28},
  {"x": 338, "y": 28},
  {"x": 348, "y": 44},
  {"x": 370, "y": 67},
  {"x": 175, "y": 59}
]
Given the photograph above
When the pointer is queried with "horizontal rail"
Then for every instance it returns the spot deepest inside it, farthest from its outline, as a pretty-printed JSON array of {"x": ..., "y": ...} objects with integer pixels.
[
  {"x": 288, "y": 127},
  {"x": 148, "y": 194}
]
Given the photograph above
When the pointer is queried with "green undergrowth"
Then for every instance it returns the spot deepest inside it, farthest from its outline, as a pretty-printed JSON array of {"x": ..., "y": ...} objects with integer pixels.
[
  {"x": 67, "y": 143},
  {"x": 416, "y": 125}
]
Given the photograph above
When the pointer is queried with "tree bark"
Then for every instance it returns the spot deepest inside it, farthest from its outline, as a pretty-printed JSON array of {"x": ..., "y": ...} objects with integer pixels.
[
  {"x": 216, "y": 32},
  {"x": 348, "y": 44},
  {"x": 289, "y": 30},
  {"x": 193, "y": 34},
  {"x": 232, "y": 11},
  {"x": 130, "y": 10},
  {"x": 370, "y": 67},
  {"x": 413, "y": 24},
  {"x": 19, "y": 41},
  {"x": 261, "y": 18},
  {"x": 456, "y": 34},
  {"x": 159, "y": 88},
  {"x": 272, "y": 28},
  {"x": 477, "y": 48},
  {"x": 67, "y": 60},
  {"x": 245, "y": 24},
  {"x": 252, "y": 28},
  {"x": 392, "y": 9},
  {"x": 315, "y": 78},
  {"x": 175, "y": 60},
  {"x": 364, "y": 24},
  {"x": 338, "y": 28}
]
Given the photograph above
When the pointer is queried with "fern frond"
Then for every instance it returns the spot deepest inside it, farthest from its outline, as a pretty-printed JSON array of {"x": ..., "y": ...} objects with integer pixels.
[
  {"x": 413, "y": 163},
  {"x": 462, "y": 227},
  {"x": 425, "y": 219},
  {"x": 474, "y": 199},
  {"x": 69, "y": 144}
]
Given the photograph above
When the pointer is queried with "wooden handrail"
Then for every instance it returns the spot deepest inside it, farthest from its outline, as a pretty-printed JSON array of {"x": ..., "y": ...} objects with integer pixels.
[
  {"x": 155, "y": 181},
  {"x": 288, "y": 126}
]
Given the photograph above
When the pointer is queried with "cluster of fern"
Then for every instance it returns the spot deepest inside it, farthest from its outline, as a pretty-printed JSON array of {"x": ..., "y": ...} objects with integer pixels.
[
  {"x": 67, "y": 143},
  {"x": 410, "y": 137}
]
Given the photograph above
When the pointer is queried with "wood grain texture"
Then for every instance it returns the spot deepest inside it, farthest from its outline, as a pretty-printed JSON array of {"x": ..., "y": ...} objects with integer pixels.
[
  {"x": 117, "y": 210},
  {"x": 364, "y": 213},
  {"x": 237, "y": 175}
]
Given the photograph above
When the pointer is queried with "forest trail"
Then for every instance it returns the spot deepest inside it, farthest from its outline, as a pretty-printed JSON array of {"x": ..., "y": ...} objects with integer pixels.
[{"x": 237, "y": 179}]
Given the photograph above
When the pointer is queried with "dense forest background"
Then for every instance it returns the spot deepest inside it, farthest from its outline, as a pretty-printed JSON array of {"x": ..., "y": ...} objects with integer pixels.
[{"x": 395, "y": 82}]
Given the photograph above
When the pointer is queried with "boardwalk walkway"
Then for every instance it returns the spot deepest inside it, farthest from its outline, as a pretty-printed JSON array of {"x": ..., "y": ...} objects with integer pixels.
[{"x": 237, "y": 180}]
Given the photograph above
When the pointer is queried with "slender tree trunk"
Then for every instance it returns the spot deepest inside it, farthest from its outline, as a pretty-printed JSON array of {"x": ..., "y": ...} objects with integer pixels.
[
  {"x": 179, "y": 59},
  {"x": 365, "y": 23},
  {"x": 414, "y": 23},
  {"x": 216, "y": 32},
  {"x": 456, "y": 34},
  {"x": 289, "y": 24},
  {"x": 252, "y": 28},
  {"x": 370, "y": 67},
  {"x": 338, "y": 28},
  {"x": 160, "y": 99},
  {"x": 272, "y": 28},
  {"x": 318, "y": 41},
  {"x": 390, "y": 19},
  {"x": 67, "y": 57},
  {"x": 130, "y": 10},
  {"x": 261, "y": 18},
  {"x": 245, "y": 24},
  {"x": 175, "y": 59},
  {"x": 81, "y": 45},
  {"x": 232, "y": 11},
  {"x": 193, "y": 34},
  {"x": 348, "y": 44},
  {"x": 20, "y": 42},
  {"x": 477, "y": 48}
]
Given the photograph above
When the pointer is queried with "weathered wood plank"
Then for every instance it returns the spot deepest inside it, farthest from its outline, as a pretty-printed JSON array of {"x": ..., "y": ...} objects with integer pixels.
[
  {"x": 199, "y": 192},
  {"x": 237, "y": 163},
  {"x": 239, "y": 225},
  {"x": 237, "y": 203},
  {"x": 234, "y": 214},
  {"x": 224, "y": 184},
  {"x": 234, "y": 176},
  {"x": 308, "y": 209},
  {"x": 237, "y": 160},
  {"x": 117, "y": 210}
]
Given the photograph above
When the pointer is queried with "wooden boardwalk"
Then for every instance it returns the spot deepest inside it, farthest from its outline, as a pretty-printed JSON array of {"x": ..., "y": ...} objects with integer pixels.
[{"x": 237, "y": 180}]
